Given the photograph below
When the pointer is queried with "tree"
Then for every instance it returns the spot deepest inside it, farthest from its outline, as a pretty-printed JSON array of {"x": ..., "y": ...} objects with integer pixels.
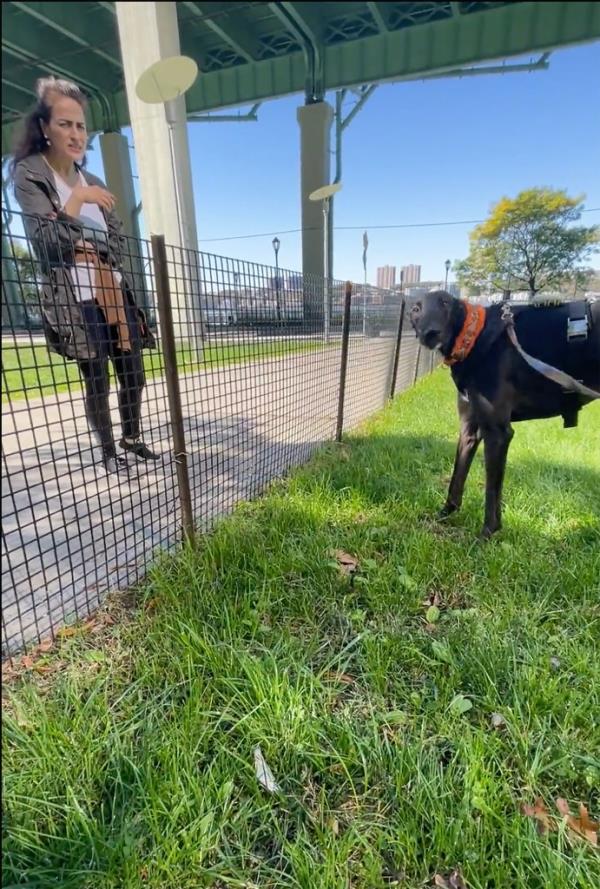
[{"x": 529, "y": 243}]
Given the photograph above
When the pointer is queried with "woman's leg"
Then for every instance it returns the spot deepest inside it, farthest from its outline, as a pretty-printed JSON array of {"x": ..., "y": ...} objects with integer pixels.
[
  {"x": 130, "y": 373},
  {"x": 97, "y": 388}
]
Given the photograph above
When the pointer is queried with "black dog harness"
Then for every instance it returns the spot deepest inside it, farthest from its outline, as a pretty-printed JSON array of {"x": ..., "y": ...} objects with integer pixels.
[{"x": 577, "y": 332}]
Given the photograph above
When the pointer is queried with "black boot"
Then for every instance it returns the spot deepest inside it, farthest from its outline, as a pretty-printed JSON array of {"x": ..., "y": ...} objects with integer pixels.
[
  {"x": 112, "y": 461},
  {"x": 138, "y": 449}
]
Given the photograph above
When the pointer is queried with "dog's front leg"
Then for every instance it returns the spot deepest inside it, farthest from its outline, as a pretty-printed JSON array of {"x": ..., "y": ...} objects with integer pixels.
[
  {"x": 496, "y": 441},
  {"x": 468, "y": 442}
]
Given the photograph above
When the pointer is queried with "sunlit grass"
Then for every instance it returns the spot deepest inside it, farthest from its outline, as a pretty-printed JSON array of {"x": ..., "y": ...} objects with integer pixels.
[{"x": 131, "y": 765}]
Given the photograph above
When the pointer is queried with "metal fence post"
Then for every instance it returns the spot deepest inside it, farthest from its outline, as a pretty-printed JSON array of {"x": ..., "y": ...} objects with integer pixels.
[
  {"x": 344, "y": 361},
  {"x": 165, "y": 314},
  {"x": 417, "y": 362},
  {"x": 397, "y": 350}
]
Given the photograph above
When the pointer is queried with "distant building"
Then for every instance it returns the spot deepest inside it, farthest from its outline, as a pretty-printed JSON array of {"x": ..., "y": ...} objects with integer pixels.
[
  {"x": 386, "y": 277},
  {"x": 411, "y": 274}
]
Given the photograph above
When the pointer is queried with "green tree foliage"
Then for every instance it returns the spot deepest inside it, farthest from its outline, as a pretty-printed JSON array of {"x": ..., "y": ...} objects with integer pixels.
[{"x": 529, "y": 242}]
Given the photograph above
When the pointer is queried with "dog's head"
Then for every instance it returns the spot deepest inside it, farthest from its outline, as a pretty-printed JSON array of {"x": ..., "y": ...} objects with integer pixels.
[{"x": 431, "y": 318}]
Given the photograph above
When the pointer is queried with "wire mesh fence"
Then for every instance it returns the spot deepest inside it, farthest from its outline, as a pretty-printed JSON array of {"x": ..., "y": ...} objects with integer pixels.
[{"x": 230, "y": 377}]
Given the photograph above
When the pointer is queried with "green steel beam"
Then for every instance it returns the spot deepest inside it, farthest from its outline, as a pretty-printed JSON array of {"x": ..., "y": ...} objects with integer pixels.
[
  {"x": 29, "y": 44},
  {"x": 59, "y": 18},
  {"x": 408, "y": 53},
  {"x": 381, "y": 15},
  {"x": 250, "y": 117},
  {"x": 305, "y": 30},
  {"x": 241, "y": 40}
]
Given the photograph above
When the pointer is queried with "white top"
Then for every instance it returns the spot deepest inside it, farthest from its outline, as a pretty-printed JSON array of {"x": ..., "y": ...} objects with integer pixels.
[
  {"x": 90, "y": 215},
  {"x": 94, "y": 230}
]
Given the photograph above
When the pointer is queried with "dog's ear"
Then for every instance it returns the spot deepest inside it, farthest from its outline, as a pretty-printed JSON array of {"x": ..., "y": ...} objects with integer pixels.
[{"x": 415, "y": 314}]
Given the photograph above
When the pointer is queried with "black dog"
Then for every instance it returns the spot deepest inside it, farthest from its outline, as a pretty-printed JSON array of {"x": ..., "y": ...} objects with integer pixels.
[{"x": 497, "y": 384}]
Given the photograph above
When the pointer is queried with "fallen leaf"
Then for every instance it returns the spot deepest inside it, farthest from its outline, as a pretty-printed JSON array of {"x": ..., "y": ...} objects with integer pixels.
[
  {"x": 452, "y": 881},
  {"x": 582, "y": 827},
  {"x": 45, "y": 645},
  {"x": 433, "y": 599},
  {"x": 151, "y": 604},
  {"x": 541, "y": 815},
  {"x": 345, "y": 678},
  {"x": 555, "y": 663},
  {"x": 27, "y": 661},
  {"x": 65, "y": 632},
  {"x": 498, "y": 721},
  {"x": 442, "y": 652},
  {"x": 432, "y": 615},
  {"x": 459, "y": 704},
  {"x": 263, "y": 772},
  {"x": 334, "y": 826},
  {"x": 395, "y": 717},
  {"x": 348, "y": 565}
]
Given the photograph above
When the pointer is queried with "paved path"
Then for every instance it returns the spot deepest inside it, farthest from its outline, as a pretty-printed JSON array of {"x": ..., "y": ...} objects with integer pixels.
[{"x": 72, "y": 533}]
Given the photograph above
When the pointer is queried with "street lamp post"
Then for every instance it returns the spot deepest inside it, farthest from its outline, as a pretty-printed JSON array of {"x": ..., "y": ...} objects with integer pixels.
[
  {"x": 276, "y": 244},
  {"x": 324, "y": 194},
  {"x": 365, "y": 248},
  {"x": 447, "y": 264}
]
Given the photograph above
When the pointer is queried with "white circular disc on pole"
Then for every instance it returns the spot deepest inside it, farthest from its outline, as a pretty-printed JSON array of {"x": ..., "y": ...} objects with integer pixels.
[
  {"x": 166, "y": 80},
  {"x": 326, "y": 191}
]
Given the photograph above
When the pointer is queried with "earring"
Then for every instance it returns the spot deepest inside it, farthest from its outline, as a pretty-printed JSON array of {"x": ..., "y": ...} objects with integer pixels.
[{"x": 48, "y": 142}]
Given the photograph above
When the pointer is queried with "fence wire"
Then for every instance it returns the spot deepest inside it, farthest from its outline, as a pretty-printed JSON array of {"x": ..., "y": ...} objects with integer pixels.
[{"x": 258, "y": 362}]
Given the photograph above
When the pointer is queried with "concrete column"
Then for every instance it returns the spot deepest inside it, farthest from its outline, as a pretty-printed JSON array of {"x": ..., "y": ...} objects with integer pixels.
[
  {"x": 315, "y": 130},
  {"x": 149, "y": 32},
  {"x": 119, "y": 181}
]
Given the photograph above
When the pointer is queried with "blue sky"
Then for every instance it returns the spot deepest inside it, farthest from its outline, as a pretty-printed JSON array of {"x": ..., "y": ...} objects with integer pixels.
[{"x": 418, "y": 152}]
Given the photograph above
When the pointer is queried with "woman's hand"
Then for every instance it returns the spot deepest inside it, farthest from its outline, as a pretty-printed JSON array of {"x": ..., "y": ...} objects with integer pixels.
[{"x": 93, "y": 194}]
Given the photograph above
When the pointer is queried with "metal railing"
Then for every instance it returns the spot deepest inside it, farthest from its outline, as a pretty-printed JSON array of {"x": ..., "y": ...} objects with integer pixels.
[{"x": 253, "y": 370}]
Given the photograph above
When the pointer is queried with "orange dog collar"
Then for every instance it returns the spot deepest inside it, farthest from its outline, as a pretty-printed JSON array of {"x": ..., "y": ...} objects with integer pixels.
[{"x": 466, "y": 339}]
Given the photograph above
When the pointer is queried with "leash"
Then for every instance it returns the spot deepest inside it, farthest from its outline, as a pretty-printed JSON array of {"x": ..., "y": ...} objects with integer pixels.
[{"x": 562, "y": 379}]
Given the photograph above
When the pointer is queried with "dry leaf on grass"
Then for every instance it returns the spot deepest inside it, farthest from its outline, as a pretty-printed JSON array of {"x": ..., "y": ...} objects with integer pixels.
[
  {"x": 498, "y": 721},
  {"x": 345, "y": 678},
  {"x": 452, "y": 881},
  {"x": 540, "y": 814},
  {"x": 581, "y": 827},
  {"x": 578, "y": 828},
  {"x": 347, "y": 564},
  {"x": 263, "y": 772}
]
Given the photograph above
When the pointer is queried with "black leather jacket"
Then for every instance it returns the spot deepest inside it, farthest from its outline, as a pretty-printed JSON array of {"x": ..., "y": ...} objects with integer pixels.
[{"x": 52, "y": 234}]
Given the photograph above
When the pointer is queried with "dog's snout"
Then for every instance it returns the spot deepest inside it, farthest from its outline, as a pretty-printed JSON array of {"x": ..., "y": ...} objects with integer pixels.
[{"x": 431, "y": 338}]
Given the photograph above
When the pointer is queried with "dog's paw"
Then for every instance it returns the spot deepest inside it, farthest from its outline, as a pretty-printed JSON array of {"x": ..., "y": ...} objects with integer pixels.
[{"x": 446, "y": 511}]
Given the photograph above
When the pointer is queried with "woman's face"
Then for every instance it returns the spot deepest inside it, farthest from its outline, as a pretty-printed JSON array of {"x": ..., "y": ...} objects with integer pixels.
[{"x": 66, "y": 131}]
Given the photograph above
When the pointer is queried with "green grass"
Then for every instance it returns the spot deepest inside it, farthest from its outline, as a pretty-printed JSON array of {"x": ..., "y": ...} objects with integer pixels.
[
  {"x": 132, "y": 764},
  {"x": 35, "y": 371}
]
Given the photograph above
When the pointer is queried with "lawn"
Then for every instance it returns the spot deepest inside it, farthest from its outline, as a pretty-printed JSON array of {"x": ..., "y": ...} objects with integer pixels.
[
  {"x": 35, "y": 371},
  {"x": 408, "y": 710}
]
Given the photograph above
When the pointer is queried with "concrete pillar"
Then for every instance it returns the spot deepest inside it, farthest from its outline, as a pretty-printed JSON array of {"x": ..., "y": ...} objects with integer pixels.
[
  {"x": 119, "y": 181},
  {"x": 149, "y": 32},
  {"x": 315, "y": 130}
]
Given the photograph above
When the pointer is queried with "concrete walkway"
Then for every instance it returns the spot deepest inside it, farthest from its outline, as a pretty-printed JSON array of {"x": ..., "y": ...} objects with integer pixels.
[{"x": 72, "y": 533}]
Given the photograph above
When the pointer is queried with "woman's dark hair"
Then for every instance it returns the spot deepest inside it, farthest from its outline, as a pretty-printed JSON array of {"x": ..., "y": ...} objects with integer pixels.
[{"x": 31, "y": 140}]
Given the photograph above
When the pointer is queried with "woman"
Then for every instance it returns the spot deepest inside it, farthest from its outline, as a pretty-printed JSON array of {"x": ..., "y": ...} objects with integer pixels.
[{"x": 88, "y": 307}]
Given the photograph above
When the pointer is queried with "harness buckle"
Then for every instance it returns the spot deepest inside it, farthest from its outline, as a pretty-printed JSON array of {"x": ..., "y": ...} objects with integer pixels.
[{"x": 577, "y": 328}]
